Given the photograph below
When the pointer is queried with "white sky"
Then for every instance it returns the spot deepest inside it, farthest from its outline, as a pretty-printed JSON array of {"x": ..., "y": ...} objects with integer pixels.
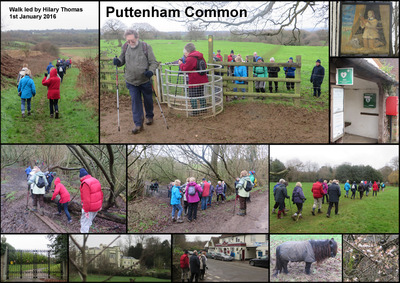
[
  {"x": 96, "y": 240},
  {"x": 28, "y": 242},
  {"x": 164, "y": 24},
  {"x": 203, "y": 237},
  {"x": 376, "y": 156},
  {"x": 87, "y": 19}
]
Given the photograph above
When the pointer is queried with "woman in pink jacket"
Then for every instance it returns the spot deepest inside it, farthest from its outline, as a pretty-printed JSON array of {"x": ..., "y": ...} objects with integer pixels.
[
  {"x": 64, "y": 198},
  {"x": 192, "y": 195}
]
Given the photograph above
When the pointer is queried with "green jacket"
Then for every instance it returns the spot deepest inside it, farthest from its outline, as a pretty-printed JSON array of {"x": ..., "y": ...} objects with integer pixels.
[
  {"x": 240, "y": 186},
  {"x": 136, "y": 63},
  {"x": 260, "y": 72}
]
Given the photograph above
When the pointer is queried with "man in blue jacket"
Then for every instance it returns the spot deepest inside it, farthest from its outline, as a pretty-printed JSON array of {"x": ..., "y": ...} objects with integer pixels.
[
  {"x": 290, "y": 74},
  {"x": 317, "y": 76}
]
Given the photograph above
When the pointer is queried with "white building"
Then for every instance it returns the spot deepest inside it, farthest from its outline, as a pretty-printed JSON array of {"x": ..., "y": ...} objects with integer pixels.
[{"x": 243, "y": 246}]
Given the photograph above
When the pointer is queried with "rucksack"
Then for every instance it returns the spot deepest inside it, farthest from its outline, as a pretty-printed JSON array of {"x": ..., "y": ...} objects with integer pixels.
[
  {"x": 192, "y": 190},
  {"x": 40, "y": 182},
  {"x": 248, "y": 186},
  {"x": 201, "y": 65},
  {"x": 353, "y": 186},
  {"x": 60, "y": 69},
  {"x": 145, "y": 48}
]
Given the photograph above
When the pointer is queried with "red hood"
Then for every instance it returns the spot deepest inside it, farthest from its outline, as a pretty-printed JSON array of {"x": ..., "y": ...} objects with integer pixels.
[
  {"x": 196, "y": 54},
  {"x": 53, "y": 72},
  {"x": 57, "y": 181},
  {"x": 86, "y": 177}
]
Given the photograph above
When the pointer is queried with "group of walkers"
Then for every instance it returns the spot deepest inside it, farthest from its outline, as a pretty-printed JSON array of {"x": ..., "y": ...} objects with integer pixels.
[
  {"x": 39, "y": 183},
  {"x": 317, "y": 74},
  {"x": 193, "y": 267},
  {"x": 52, "y": 79},
  {"x": 321, "y": 189},
  {"x": 192, "y": 194},
  {"x": 141, "y": 64}
]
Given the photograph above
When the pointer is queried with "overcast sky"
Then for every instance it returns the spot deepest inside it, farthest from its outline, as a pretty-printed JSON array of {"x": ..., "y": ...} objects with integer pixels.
[
  {"x": 375, "y": 155},
  {"x": 28, "y": 242},
  {"x": 96, "y": 240},
  {"x": 87, "y": 19},
  {"x": 203, "y": 237},
  {"x": 306, "y": 21}
]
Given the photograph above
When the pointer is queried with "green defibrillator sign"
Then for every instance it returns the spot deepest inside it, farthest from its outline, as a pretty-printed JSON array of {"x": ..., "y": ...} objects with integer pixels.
[
  {"x": 344, "y": 76},
  {"x": 369, "y": 100}
]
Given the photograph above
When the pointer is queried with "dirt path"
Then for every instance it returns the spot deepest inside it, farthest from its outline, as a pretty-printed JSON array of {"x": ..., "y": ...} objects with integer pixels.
[
  {"x": 16, "y": 219},
  {"x": 252, "y": 122},
  {"x": 217, "y": 219}
]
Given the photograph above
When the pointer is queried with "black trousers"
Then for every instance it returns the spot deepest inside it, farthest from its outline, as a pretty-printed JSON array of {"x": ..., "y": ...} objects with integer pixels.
[
  {"x": 353, "y": 194},
  {"x": 317, "y": 89},
  {"x": 361, "y": 194},
  {"x": 53, "y": 105},
  {"x": 270, "y": 86},
  {"x": 192, "y": 212},
  {"x": 336, "y": 207},
  {"x": 299, "y": 207},
  {"x": 374, "y": 193},
  {"x": 327, "y": 198},
  {"x": 194, "y": 275},
  {"x": 289, "y": 85}
]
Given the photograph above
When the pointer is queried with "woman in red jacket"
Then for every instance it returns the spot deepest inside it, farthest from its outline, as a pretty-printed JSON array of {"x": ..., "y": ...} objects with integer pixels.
[
  {"x": 52, "y": 82},
  {"x": 64, "y": 198},
  {"x": 318, "y": 193},
  {"x": 185, "y": 266},
  {"x": 196, "y": 79},
  {"x": 375, "y": 189}
]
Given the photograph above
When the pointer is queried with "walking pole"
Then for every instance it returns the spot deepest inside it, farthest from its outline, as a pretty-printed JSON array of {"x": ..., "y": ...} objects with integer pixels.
[
  {"x": 159, "y": 105},
  {"x": 176, "y": 87},
  {"x": 116, "y": 73}
]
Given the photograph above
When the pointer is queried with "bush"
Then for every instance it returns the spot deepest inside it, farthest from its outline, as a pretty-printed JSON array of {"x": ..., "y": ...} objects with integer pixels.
[{"x": 47, "y": 47}]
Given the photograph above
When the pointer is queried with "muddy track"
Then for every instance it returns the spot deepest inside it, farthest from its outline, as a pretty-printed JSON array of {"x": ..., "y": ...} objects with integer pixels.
[{"x": 154, "y": 215}]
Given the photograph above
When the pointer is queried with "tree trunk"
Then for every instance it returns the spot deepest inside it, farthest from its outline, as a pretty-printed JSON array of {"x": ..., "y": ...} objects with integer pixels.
[{"x": 77, "y": 208}]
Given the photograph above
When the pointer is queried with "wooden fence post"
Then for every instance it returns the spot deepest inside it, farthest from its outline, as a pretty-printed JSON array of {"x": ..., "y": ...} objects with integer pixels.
[
  {"x": 297, "y": 86},
  {"x": 210, "y": 49},
  {"x": 250, "y": 85}
]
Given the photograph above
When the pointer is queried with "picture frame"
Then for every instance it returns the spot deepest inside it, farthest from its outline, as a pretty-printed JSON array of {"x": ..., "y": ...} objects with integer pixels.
[{"x": 365, "y": 29}]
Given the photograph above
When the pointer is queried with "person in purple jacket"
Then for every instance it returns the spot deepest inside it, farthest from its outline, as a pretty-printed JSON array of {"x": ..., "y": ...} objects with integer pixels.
[
  {"x": 298, "y": 199},
  {"x": 219, "y": 191},
  {"x": 192, "y": 196},
  {"x": 325, "y": 189}
]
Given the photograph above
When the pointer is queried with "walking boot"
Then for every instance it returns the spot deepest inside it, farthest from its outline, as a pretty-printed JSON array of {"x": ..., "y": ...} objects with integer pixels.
[
  {"x": 51, "y": 116},
  {"x": 263, "y": 90},
  {"x": 35, "y": 208},
  {"x": 279, "y": 214},
  {"x": 29, "y": 113},
  {"x": 137, "y": 129},
  {"x": 294, "y": 217},
  {"x": 56, "y": 114},
  {"x": 312, "y": 211},
  {"x": 23, "y": 115},
  {"x": 149, "y": 121},
  {"x": 276, "y": 90},
  {"x": 327, "y": 215},
  {"x": 273, "y": 211},
  {"x": 257, "y": 90},
  {"x": 319, "y": 211},
  {"x": 179, "y": 220},
  {"x": 300, "y": 216},
  {"x": 284, "y": 212},
  {"x": 270, "y": 89}
]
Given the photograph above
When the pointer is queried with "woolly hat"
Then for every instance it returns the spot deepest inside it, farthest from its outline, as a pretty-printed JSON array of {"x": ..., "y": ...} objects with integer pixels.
[
  {"x": 290, "y": 58},
  {"x": 259, "y": 57},
  {"x": 218, "y": 50},
  {"x": 319, "y": 61},
  {"x": 83, "y": 173},
  {"x": 232, "y": 52}
]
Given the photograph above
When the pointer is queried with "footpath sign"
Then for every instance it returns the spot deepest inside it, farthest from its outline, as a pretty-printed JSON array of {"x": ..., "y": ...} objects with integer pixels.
[{"x": 344, "y": 76}]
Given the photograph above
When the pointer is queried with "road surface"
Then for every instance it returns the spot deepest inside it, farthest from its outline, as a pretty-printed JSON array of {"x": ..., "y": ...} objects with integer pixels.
[{"x": 234, "y": 271}]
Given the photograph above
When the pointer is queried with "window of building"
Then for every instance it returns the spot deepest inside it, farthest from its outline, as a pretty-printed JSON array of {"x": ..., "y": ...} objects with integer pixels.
[{"x": 253, "y": 238}]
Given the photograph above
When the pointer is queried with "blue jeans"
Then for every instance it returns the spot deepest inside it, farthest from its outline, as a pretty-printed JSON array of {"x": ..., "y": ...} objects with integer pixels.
[
  {"x": 209, "y": 200},
  {"x": 177, "y": 207},
  {"x": 204, "y": 201},
  {"x": 136, "y": 96},
  {"x": 28, "y": 100},
  {"x": 65, "y": 207}
]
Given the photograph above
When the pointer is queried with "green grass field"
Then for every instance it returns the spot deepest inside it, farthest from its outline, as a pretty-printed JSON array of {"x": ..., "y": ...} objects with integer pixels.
[
  {"x": 78, "y": 122},
  {"x": 79, "y": 52},
  {"x": 171, "y": 50},
  {"x": 370, "y": 215},
  {"x": 100, "y": 278}
]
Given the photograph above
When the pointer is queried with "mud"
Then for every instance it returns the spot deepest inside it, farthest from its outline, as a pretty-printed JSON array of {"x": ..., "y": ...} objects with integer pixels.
[
  {"x": 15, "y": 218},
  {"x": 252, "y": 122},
  {"x": 153, "y": 214}
]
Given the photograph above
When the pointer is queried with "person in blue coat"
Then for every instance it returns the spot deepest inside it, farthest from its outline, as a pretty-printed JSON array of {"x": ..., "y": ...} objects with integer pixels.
[
  {"x": 347, "y": 188},
  {"x": 317, "y": 77},
  {"x": 27, "y": 89},
  {"x": 49, "y": 67},
  {"x": 27, "y": 171},
  {"x": 239, "y": 71},
  {"x": 176, "y": 201},
  {"x": 290, "y": 74}
]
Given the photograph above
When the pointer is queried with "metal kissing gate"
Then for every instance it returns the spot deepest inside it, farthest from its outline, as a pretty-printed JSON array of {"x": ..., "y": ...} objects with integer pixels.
[{"x": 33, "y": 264}]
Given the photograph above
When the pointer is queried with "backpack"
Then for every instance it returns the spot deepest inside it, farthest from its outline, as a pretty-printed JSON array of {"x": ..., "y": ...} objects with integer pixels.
[
  {"x": 353, "y": 187},
  {"x": 40, "y": 182},
  {"x": 145, "y": 48},
  {"x": 248, "y": 186},
  {"x": 192, "y": 190},
  {"x": 201, "y": 65}
]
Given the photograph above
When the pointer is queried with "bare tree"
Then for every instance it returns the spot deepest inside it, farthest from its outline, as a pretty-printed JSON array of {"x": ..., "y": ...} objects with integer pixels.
[
  {"x": 195, "y": 32},
  {"x": 113, "y": 29},
  {"x": 145, "y": 30}
]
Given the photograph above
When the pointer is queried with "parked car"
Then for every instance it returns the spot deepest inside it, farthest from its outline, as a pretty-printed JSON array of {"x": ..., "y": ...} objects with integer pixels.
[
  {"x": 222, "y": 256},
  {"x": 262, "y": 261},
  {"x": 210, "y": 254}
]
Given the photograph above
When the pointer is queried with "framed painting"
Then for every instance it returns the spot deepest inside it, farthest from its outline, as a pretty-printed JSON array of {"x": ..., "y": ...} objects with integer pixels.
[{"x": 365, "y": 29}]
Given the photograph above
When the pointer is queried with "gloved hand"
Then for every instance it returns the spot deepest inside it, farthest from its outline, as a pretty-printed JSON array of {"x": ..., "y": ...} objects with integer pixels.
[
  {"x": 116, "y": 61},
  {"x": 87, "y": 215},
  {"x": 148, "y": 74},
  {"x": 45, "y": 74}
]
